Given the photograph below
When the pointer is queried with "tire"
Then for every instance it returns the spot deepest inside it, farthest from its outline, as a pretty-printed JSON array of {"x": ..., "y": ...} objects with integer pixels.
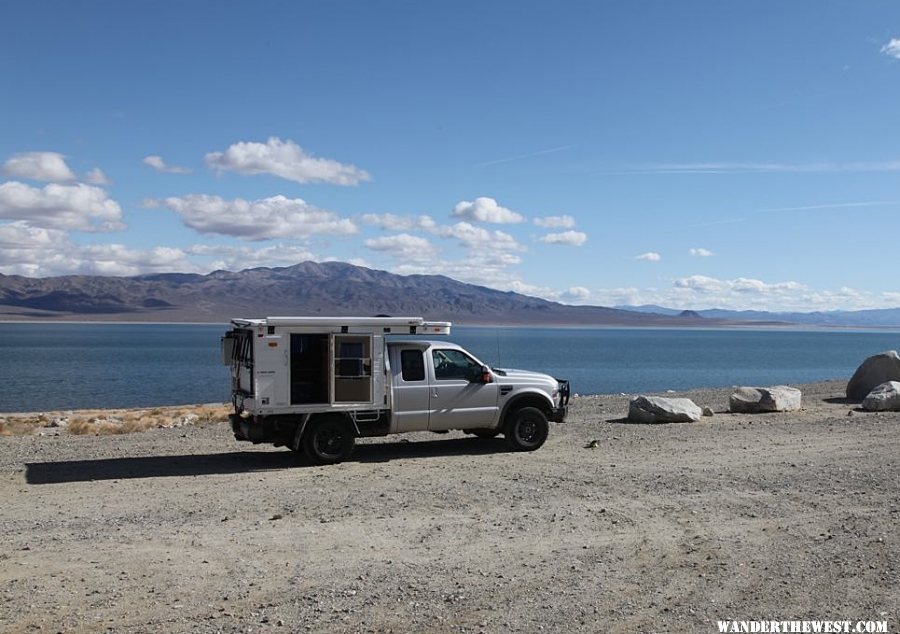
[
  {"x": 526, "y": 429},
  {"x": 328, "y": 440}
]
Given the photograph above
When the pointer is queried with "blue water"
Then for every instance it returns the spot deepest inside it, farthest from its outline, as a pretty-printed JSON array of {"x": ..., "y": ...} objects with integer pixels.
[{"x": 63, "y": 366}]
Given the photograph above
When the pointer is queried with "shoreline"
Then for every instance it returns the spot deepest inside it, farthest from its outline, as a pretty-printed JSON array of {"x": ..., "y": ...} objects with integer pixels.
[{"x": 138, "y": 419}]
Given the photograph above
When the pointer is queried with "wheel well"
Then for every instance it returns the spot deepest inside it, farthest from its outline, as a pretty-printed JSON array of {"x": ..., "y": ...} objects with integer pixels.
[
  {"x": 527, "y": 400},
  {"x": 310, "y": 418}
]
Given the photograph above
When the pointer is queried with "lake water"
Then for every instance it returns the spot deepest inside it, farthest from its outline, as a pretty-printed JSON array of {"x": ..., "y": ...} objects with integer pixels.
[{"x": 67, "y": 366}]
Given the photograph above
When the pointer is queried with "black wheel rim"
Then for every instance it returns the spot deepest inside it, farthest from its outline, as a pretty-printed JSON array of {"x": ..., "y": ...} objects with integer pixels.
[
  {"x": 329, "y": 441},
  {"x": 527, "y": 431}
]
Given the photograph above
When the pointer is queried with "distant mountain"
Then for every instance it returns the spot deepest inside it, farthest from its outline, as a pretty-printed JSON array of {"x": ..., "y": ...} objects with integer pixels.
[
  {"x": 875, "y": 318},
  {"x": 309, "y": 288}
]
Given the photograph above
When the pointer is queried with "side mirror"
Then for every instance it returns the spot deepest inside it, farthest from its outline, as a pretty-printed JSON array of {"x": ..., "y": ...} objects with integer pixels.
[{"x": 486, "y": 376}]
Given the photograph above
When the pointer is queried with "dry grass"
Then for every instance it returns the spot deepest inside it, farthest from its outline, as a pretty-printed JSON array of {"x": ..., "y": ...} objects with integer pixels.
[{"x": 113, "y": 421}]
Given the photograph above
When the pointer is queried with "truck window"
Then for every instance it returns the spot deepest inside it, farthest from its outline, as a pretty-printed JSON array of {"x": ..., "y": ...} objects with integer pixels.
[
  {"x": 453, "y": 364},
  {"x": 412, "y": 365}
]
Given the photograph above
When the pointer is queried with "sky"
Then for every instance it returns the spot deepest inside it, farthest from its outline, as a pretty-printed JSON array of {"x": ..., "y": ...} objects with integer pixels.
[{"x": 692, "y": 154}]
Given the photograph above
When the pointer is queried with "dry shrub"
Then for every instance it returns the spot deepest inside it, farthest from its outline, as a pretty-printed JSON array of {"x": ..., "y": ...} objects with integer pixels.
[
  {"x": 96, "y": 422},
  {"x": 19, "y": 425}
]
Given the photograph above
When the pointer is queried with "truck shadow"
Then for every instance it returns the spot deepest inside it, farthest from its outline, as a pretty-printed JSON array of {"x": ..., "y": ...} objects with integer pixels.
[{"x": 242, "y": 461}]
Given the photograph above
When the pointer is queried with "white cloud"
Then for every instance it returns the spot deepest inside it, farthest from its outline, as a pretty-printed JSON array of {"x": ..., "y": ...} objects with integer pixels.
[
  {"x": 892, "y": 48},
  {"x": 403, "y": 247},
  {"x": 274, "y": 217},
  {"x": 478, "y": 237},
  {"x": 96, "y": 177},
  {"x": 119, "y": 260},
  {"x": 284, "y": 159},
  {"x": 37, "y": 252},
  {"x": 555, "y": 222},
  {"x": 157, "y": 163},
  {"x": 571, "y": 238},
  {"x": 39, "y": 166},
  {"x": 700, "y": 252},
  {"x": 75, "y": 207},
  {"x": 650, "y": 256},
  {"x": 394, "y": 222},
  {"x": 576, "y": 294},
  {"x": 235, "y": 258},
  {"x": 484, "y": 209}
]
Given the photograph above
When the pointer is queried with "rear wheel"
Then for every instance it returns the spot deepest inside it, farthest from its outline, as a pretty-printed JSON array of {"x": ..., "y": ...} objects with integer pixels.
[
  {"x": 328, "y": 440},
  {"x": 526, "y": 429}
]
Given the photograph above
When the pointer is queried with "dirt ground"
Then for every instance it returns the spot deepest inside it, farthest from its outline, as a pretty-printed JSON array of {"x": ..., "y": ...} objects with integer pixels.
[{"x": 659, "y": 528}]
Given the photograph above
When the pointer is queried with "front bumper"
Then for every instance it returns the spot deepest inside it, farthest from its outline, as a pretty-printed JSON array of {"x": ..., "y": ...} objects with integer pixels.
[{"x": 558, "y": 414}]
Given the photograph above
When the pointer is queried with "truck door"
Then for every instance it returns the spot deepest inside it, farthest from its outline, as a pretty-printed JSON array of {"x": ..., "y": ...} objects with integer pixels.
[
  {"x": 458, "y": 399},
  {"x": 410, "y": 389}
]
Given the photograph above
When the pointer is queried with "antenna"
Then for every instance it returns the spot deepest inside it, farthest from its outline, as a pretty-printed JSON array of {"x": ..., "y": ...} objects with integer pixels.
[{"x": 497, "y": 332}]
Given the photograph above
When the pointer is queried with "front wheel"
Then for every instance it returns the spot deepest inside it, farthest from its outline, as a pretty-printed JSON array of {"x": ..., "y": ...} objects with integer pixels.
[
  {"x": 328, "y": 440},
  {"x": 526, "y": 429}
]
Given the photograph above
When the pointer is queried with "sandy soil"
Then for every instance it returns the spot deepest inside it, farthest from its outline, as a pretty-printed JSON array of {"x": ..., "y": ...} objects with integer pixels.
[{"x": 658, "y": 528}]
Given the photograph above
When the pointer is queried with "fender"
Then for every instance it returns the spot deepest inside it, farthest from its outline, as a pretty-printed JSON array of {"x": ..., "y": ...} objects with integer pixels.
[{"x": 530, "y": 398}]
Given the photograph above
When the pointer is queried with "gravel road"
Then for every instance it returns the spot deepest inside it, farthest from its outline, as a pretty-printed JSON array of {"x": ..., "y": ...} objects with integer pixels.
[{"x": 659, "y": 528}]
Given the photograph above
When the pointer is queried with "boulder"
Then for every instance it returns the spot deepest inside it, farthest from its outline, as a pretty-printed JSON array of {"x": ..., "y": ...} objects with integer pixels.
[
  {"x": 884, "y": 397},
  {"x": 656, "y": 409},
  {"x": 752, "y": 400},
  {"x": 874, "y": 371}
]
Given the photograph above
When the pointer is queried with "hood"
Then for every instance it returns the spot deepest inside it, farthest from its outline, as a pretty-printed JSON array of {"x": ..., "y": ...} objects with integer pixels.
[{"x": 520, "y": 375}]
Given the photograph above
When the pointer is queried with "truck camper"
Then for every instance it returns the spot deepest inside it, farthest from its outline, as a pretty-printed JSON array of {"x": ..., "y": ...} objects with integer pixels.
[{"x": 315, "y": 384}]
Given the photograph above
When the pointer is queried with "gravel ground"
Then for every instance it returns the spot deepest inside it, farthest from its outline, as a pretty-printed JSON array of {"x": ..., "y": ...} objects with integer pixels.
[{"x": 658, "y": 528}]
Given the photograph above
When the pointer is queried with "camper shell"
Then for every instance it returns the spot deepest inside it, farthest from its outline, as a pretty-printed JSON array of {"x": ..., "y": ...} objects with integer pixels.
[{"x": 373, "y": 376}]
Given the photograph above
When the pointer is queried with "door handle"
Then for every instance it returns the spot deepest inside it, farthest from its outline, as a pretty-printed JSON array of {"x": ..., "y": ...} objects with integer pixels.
[{"x": 434, "y": 393}]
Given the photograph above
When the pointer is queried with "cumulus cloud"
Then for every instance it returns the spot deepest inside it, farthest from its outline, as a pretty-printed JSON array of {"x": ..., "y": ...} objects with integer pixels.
[
  {"x": 485, "y": 209},
  {"x": 704, "y": 284},
  {"x": 39, "y": 166},
  {"x": 700, "y": 252},
  {"x": 403, "y": 246},
  {"x": 576, "y": 294},
  {"x": 77, "y": 207},
  {"x": 38, "y": 252},
  {"x": 571, "y": 238},
  {"x": 284, "y": 159},
  {"x": 892, "y": 48},
  {"x": 394, "y": 222},
  {"x": 475, "y": 237},
  {"x": 263, "y": 219},
  {"x": 650, "y": 256},
  {"x": 236, "y": 258},
  {"x": 157, "y": 163},
  {"x": 96, "y": 177},
  {"x": 555, "y": 222}
]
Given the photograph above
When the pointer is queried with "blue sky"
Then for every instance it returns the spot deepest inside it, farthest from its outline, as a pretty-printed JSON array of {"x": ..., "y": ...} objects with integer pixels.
[{"x": 691, "y": 154}]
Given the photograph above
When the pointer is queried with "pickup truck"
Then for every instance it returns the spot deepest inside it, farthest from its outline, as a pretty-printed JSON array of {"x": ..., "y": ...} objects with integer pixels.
[{"x": 315, "y": 384}]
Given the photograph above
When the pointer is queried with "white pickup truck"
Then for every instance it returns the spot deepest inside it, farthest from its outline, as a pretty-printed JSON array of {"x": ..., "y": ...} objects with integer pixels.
[{"x": 315, "y": 384}]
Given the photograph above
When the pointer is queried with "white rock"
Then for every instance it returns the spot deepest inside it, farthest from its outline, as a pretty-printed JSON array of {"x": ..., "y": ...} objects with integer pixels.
[
  {"x": 752, "y": 400},
  {"x": 884, "y": 397},
  {"x": 656, "y": 409},
  {"x": 874, "y": 371}
]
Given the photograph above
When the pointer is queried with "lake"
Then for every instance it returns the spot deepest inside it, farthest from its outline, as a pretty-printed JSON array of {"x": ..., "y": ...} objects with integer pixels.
[{"x": 67, "y": 366}]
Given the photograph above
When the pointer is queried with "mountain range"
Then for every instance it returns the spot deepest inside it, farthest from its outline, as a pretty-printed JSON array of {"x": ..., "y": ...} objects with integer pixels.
[
  {"x": 337, "y": 288},
  {"x": 872, "y": 318},
  {"x": 308, "y": 288}
]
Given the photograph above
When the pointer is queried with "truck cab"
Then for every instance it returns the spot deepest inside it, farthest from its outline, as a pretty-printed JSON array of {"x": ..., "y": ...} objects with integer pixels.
[{"x": 316, "y": 384}]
